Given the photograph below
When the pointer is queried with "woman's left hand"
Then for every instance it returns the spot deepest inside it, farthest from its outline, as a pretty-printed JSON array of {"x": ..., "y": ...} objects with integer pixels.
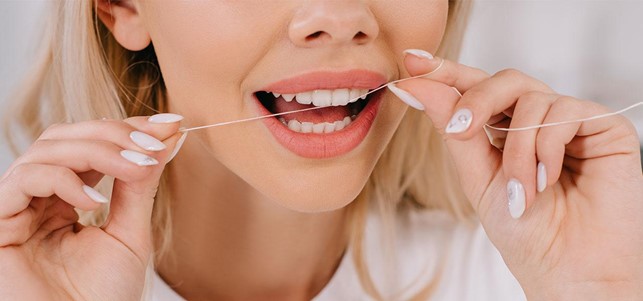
[{"x": 581, "y": 236}]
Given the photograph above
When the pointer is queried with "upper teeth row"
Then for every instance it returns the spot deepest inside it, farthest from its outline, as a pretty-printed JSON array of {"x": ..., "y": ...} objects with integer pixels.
[{"x": 325, "y": 98}]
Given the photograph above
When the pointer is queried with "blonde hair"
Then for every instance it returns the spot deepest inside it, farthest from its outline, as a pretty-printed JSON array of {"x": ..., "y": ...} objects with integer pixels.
[{"x": 82, "y": 73}]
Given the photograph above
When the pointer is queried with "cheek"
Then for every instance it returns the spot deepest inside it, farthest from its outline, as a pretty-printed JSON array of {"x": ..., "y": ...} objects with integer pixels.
[
  {"x": 206, "y": 48},
  {"x": 414, "y": 24}
]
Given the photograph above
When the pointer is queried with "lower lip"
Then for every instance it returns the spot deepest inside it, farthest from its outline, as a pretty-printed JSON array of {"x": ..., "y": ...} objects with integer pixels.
[{"x": 320, "y": 146}]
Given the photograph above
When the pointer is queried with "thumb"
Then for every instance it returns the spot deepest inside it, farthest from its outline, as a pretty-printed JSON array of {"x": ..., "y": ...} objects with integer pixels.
[
  {"x": 132, "y": 202},
  {"x": 476, "y": 159}
]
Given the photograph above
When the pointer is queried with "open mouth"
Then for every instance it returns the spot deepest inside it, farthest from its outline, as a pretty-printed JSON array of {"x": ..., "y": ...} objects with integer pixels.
[
  {"x": 339, "y": 108},
  {"x": 342, "y": 121}
]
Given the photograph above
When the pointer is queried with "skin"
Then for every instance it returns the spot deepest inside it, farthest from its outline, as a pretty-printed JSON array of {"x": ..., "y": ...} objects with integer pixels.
[{"x": 238, "y": 230}]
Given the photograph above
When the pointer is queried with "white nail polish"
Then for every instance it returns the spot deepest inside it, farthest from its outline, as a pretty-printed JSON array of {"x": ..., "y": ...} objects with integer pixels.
[
  {"x": 406, "y": 97},
  {"x": 541, "y": 177},
  {"x": 460, "y": 122},
  {"x": 138, "y": 158},
  {"x": 95, "y": 195},
  {"x": 165, "y": 118},
  {"x": 419, "y": 53},
  {"x": 516, "y": 196},
  {"x": 178, "y": 146},
  {"x": 146, "y": 141}
]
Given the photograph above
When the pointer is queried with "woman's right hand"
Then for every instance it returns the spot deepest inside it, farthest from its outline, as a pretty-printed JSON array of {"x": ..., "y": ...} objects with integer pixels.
[{"x": 45, "y": 254}]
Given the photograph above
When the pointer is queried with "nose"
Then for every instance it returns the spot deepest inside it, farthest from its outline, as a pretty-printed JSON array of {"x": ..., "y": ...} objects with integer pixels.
[{"x": 345, "y": 22}]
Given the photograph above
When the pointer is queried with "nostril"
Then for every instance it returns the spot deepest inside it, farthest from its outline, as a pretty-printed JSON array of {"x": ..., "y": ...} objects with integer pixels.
[
  {"x": 360, "y": 37},
  {"x": 314, "y": 36}
]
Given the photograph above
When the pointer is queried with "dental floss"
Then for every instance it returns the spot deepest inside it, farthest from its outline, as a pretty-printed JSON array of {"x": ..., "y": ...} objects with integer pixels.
[
  {"x": 307, "y": 109},
  {"x": 565, "y": 122},
  {"x": 185, "y": 130}
]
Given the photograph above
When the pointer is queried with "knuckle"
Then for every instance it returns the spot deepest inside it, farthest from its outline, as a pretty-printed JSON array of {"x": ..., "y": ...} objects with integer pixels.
[
  {"x": 52, "y": 129},
  {"x": 510, "y": 72},
  {"x": 532, "y": 98},
  {"x": 476, "y": 97},
  {"x": 21, "y": 171},
  {"x": 451, "y": 76},
  {"x": 566, "y": 103},
  {"x": 515, "y": 154},
  {"x": 39, "y": 144},
  {"x": 545, "y": 145},
  {"x": 63, "y": 174}
]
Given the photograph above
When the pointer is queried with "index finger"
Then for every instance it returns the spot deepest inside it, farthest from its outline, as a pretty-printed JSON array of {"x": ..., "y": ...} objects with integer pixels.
[{"x": 453, "y": 74}]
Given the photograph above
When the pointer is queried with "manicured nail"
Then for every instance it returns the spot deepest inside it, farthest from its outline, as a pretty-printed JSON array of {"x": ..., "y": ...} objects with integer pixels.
[
  {"x": 138, "y": 158},
  {"x": 405, "y": 97},
  {"x": 165, "y": 118},
  {"x": 146, "y": 141},
  {"x": 419, "y": 53},
  {"x": 541, "y": 177},
  {"x": 95, "y": 195},
  {"x": 178, "y": 146},
  {"x": 460, "y": 121},
  {"x": 516, "y": 196}
]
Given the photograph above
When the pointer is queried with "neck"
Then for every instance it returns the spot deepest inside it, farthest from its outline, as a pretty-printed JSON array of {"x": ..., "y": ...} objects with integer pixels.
[{"x": 231, "y": 242}]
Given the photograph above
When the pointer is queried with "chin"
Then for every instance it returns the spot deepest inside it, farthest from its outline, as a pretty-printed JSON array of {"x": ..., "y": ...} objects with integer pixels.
[{"x": 323, "y": 194}]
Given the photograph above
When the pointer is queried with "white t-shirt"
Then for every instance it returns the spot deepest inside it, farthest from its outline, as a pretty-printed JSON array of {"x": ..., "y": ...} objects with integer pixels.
[{"x": 472, "y": 268}]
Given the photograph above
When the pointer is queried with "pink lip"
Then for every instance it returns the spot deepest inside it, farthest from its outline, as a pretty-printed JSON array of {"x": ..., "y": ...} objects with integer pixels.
[
  {"x": 318, "y": 146},
  {"x": 358, "y": 79}
]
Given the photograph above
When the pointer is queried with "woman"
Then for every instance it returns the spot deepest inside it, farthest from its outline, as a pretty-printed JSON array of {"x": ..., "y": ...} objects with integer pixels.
[{"x": 351, "y": 202}]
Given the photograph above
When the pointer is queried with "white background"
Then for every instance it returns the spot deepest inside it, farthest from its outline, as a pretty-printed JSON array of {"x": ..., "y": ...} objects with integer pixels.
[{"x": 588, "y": 49}]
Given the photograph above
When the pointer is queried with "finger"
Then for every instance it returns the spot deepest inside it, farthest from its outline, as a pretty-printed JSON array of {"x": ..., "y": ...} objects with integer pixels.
[
  {"x": 93, "y": 155},
  {"x": 40, "y": 180},
  {"x": 25, "y": 194},
  {"x": 475, "y": 159},
  {"x": 161, "y": 126},
  {"x": 519, "y": 160},
  {"x": 452, "y": 74},
  {"x": 131, "y": 209},
  {"x": 494, "y": 96},
  {"x": 583, "y": 140},
  {"x": 135, "y": 133}
]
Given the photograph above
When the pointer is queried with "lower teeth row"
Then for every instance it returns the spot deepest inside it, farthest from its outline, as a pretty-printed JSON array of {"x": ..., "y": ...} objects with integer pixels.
[{"x": 317, "y": 128}]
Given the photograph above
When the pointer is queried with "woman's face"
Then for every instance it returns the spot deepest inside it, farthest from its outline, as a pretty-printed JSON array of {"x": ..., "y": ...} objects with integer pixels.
[{"x": 224, "y": 60}]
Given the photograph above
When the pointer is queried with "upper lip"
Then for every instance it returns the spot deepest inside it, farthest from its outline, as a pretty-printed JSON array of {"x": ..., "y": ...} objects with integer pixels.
[{"x": 357, "y": 79}]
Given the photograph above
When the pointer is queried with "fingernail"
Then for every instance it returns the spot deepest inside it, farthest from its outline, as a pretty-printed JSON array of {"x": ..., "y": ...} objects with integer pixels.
[
  {"x": 516, "y": 196},
  {"x": 460, "y": 121},
  {"x": 146, "y": 141},
  {"x": 419, "y": 53},
  {"x": 165, "y": 118},
  {"x": 406, "y": 97},
  {"x": 138, "y": 158},
  {"x": 178, "y": 146},
  {"x": 95, "y": 195},
  {"x": 541, "y": 177}
]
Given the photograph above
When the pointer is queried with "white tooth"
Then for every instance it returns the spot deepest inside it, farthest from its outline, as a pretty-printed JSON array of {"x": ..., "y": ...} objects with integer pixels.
[
  {"x": 339, "y": 125},
  {"x": 353, "y": 117},
  {"x": 294, "y": 125},
  {"x": 318, "y": 128},
  {"x": 306, "y": 127},
  {"x": 341, "y": 97},
  {"x": 276, "y": 94},
  {"x": 347, "y": 121},
  {"x": 282, "y": 120},
  {"x": 304, "y": 98},
  {"x": 322, "y": 98},
  {"x": 288, "y": 97},
  {"x": 329, "y": 127},
  {"x": 363, "y": 93},
  {"x": 354, "y": 95}
]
